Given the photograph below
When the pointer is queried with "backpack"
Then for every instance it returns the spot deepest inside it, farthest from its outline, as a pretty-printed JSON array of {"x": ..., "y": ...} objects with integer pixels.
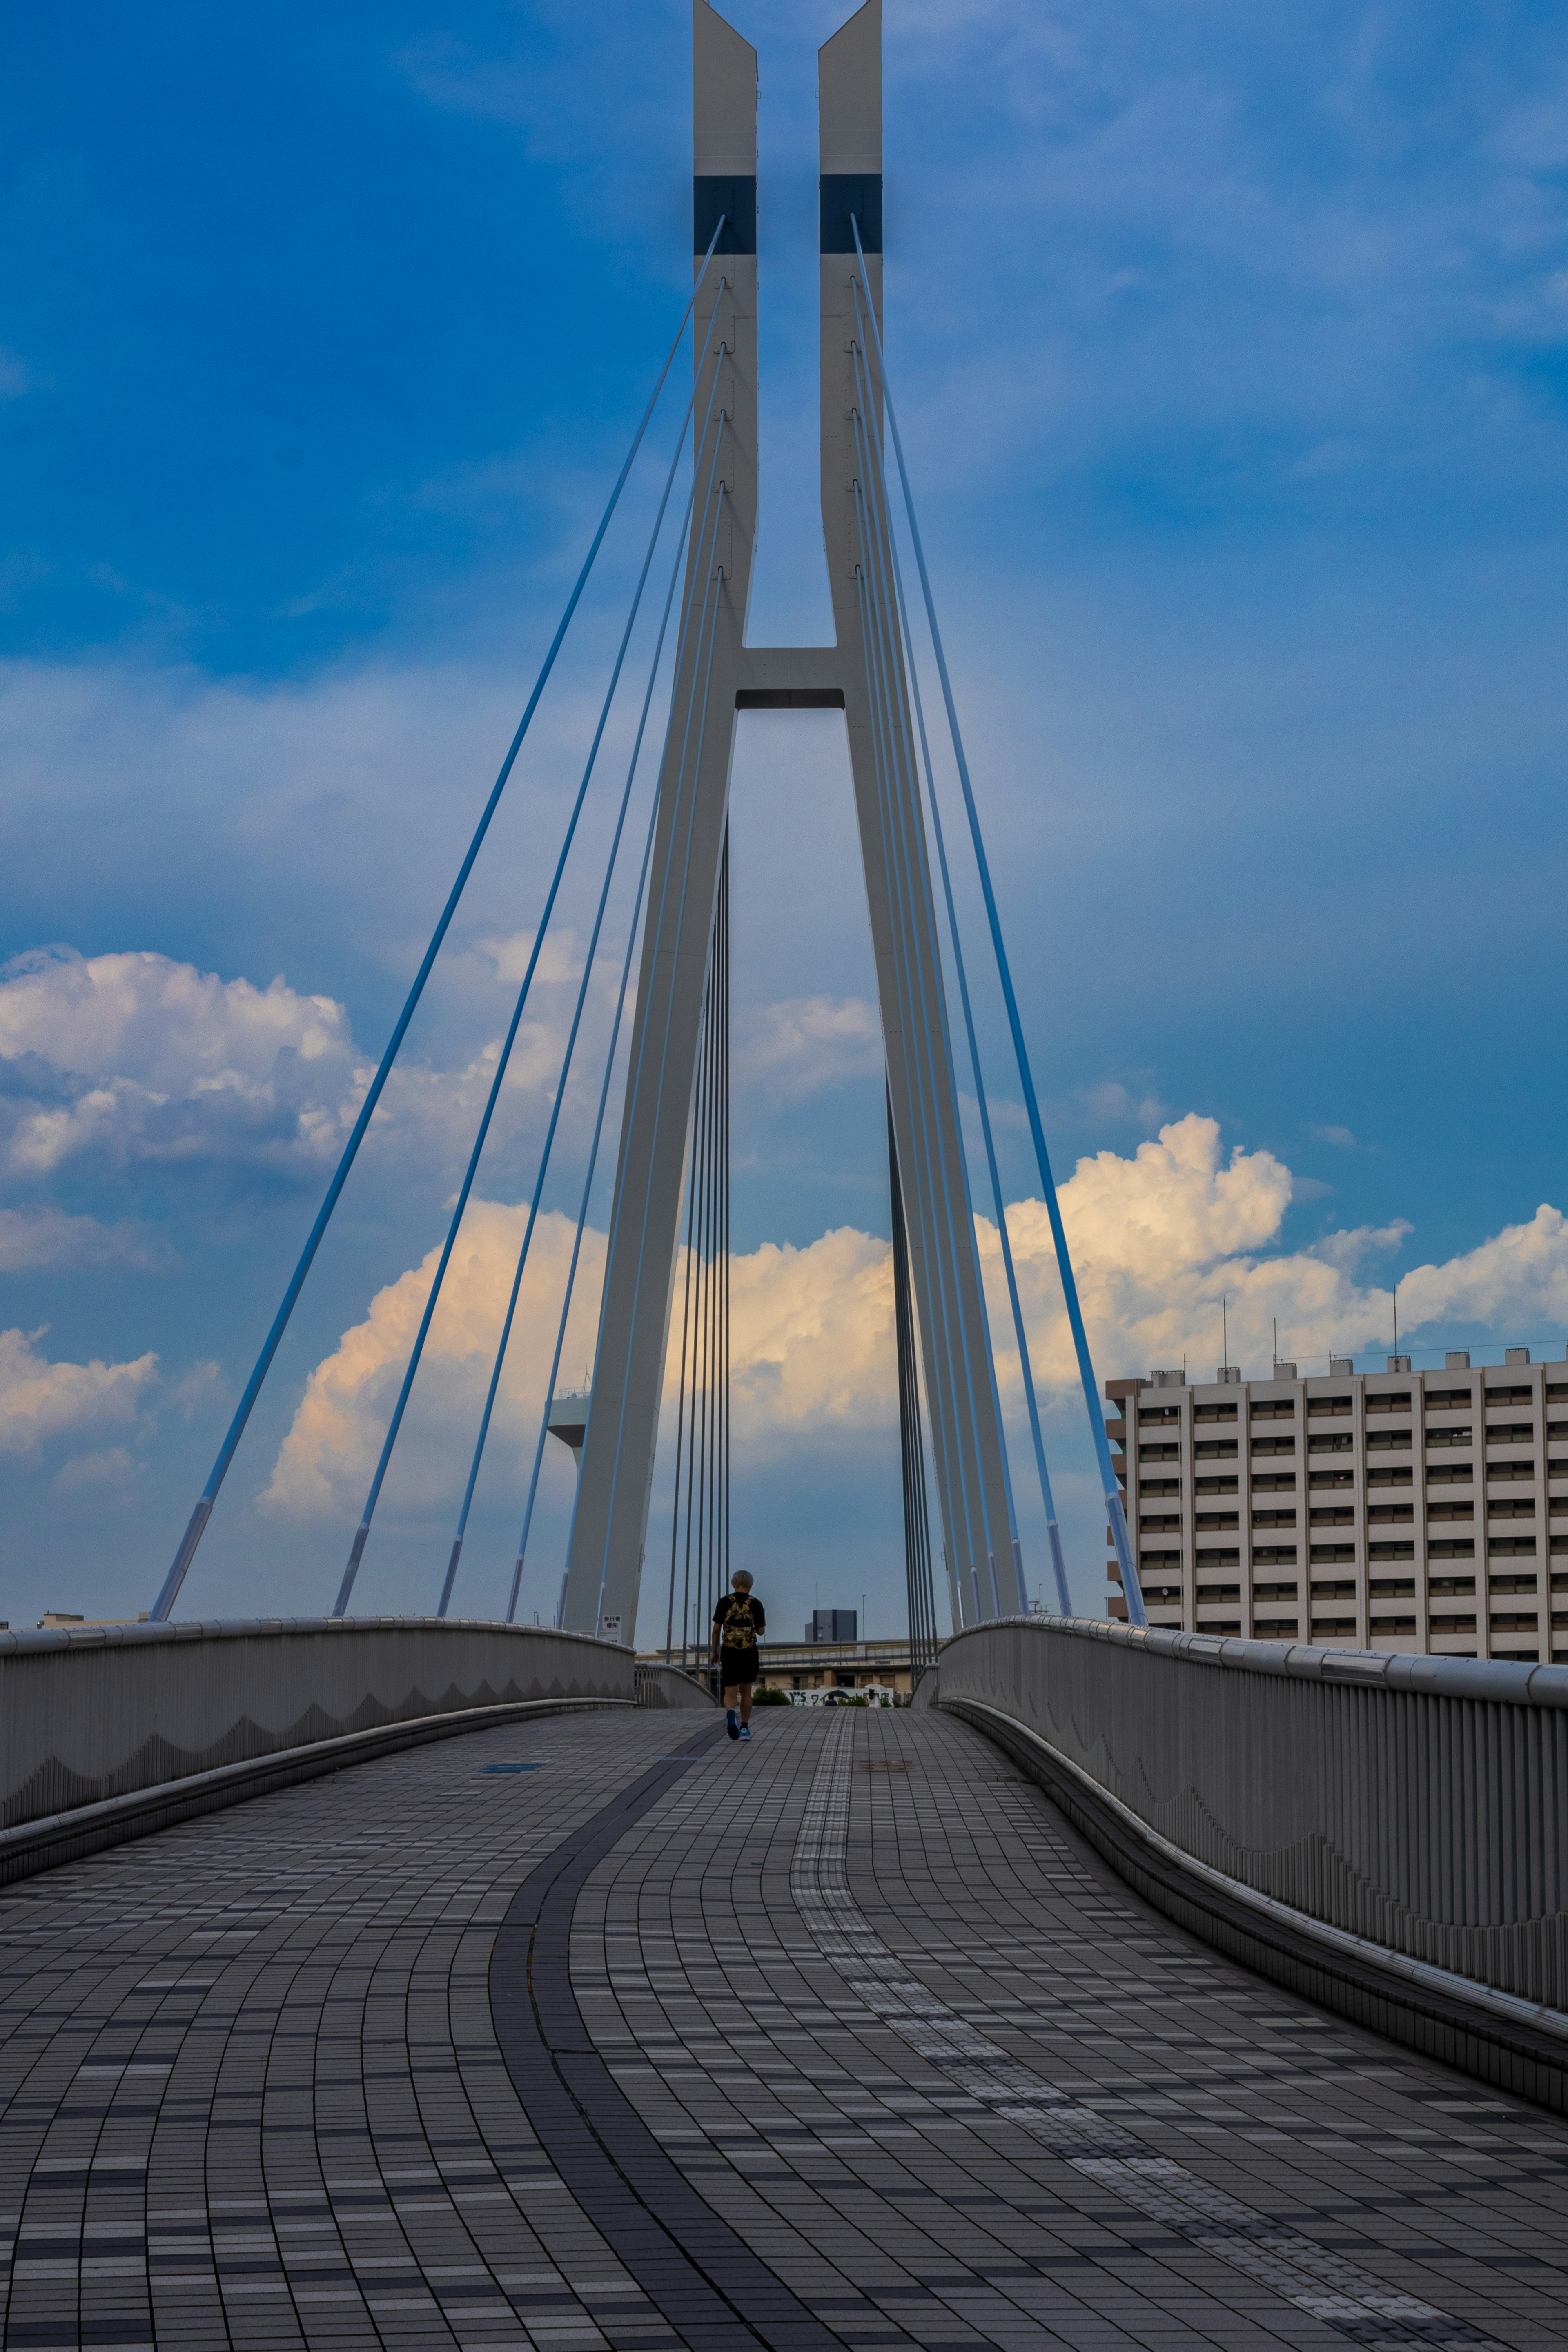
[{"x": 739, "y": 1631}]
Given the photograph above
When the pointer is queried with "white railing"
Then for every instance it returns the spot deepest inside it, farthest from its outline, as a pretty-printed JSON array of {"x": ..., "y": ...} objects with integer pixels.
[
  {"x": 90, "y": 1716},
  {"x": 1402, "y": 1820}
]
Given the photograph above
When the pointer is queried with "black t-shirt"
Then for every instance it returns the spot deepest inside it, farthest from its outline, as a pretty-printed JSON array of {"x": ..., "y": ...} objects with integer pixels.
[{"x": 740, "y": 1617}]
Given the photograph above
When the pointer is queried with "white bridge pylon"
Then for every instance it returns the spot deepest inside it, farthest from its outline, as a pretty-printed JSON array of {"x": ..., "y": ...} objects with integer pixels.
[{"x": 718, "y": 675}]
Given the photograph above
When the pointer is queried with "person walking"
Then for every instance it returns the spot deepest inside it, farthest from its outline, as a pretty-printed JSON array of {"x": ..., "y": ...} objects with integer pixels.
[{"x": 738, "y": 1618}]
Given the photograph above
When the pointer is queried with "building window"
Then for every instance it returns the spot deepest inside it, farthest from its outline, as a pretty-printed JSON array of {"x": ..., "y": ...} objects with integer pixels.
[
  {"x": 1215, "y": 1485},
  {"x": 1388, "y": 1440},
  {"x": 1391, "y": 1551},
  {"x": 1451, "y": 1624},
  {"x": 1339, "y": 1442},
  {"x": 1331, "y": 1589},
  {"x": 1329, "y": 1553},
  {"x": 1317, "y": 1480},
  {"x": 1274, "y": 1555},
  {"x": 1214, "y": 1412},
  {"x": 1274, "y": 1482},
  {"x": 1262, "y": 1447},
  {"x": 1221, "y": 1592},
  {"x": 1217, "y": 1449},
  {"x": 1392, "y": 1624}
]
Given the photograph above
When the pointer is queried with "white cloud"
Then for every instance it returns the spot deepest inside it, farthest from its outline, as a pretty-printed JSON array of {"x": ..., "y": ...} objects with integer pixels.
[
  {"x": 32, "y": 1238},
  {"x": 190, "y": 1393},
  {"x": 811, "y": 1342},
  {"x": 39, "y": 1400},
  {"x": 1341, "y": 1136},
  {"x": 107, "y": 1469},
  {"x": 136, "y": 1059},
  {"x": 1111, "y": 1100},
  {"x": 1158, "y": 1240},
  {"x": 803, "y": 1043}
]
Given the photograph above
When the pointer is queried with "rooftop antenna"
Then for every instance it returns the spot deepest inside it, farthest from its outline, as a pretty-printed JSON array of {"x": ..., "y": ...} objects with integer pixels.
[
  {"x": 1396, "y": 1317},
  {"x": 1223, "y": 1330}
]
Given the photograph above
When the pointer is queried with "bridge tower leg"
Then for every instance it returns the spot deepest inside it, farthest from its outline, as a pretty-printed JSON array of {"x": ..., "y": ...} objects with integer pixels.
[{"x": 863, "y": 675}]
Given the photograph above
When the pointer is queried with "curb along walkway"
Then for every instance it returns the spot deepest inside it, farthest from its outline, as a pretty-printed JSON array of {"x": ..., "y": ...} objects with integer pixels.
[{"x": 840, "y": 2037}]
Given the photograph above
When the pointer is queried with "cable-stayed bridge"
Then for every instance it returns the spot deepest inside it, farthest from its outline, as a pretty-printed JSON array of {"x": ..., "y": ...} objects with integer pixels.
[{"x": 450, "y": 1981}]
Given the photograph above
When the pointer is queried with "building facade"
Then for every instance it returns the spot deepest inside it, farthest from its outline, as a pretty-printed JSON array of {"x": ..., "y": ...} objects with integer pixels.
[
  {"x": 1395, "y": 1510},
  {"x": 822, "y": 1665}
]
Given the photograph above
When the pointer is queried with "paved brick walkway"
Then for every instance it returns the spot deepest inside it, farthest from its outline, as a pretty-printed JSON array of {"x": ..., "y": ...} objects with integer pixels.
[{"x": 837, "y": 2038}]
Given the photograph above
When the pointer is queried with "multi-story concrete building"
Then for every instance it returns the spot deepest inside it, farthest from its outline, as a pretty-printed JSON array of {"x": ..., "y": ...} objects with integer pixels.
[{"x": 1393, "y": 1510}]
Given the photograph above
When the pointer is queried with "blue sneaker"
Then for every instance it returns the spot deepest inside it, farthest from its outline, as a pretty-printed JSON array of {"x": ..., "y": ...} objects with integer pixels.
[
  {"x": 731, "y": 1724},
  {"x": 745, "y": 1731}
]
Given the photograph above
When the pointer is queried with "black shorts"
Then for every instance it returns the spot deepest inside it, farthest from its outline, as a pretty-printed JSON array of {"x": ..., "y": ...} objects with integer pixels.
[{"x": 736, "y": 1666}]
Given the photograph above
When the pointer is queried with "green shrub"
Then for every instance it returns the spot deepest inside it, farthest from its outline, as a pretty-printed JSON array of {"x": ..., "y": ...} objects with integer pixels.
[{"x": 769, "y": 1695}]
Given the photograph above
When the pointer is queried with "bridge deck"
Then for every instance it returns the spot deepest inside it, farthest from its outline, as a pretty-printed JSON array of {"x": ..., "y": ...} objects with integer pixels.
[{"x": 840, "y": 2038}]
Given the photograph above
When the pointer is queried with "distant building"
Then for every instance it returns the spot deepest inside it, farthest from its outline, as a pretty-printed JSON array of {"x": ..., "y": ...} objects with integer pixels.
[
  {"x": 833, "y": 1625},
  {"x": 53, "y": 1618},
  {"x": 1393, "y": 1510},
  {"x": 822, "y": 1666}
]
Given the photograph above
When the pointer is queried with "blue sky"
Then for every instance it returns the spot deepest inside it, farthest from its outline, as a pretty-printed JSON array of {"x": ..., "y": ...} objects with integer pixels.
[{"x": 1231, "y": 355}]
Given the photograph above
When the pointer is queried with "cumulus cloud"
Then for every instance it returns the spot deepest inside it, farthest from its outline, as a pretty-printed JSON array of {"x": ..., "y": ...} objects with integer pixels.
[
  {"x": 110, "y": 1468},
  {"x": 803, "y": 1043},
  {"x": 811, "y": 1342},
  {"x": 39, "y": 1400},
  {"x": 1161, "y": 1239},
  {"x": 134, "y": 1058},
  {"x": 33, "y": 1238},
  {"x": 1158, "y": 1240}
]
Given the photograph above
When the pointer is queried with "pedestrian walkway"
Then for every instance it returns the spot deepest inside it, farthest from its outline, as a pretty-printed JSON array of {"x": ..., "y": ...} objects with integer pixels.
[{"x": 839, "y": 2039}]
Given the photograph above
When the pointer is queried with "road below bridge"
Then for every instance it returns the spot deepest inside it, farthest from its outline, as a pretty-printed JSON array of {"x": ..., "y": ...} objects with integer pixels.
[{"x": 838, "y": 2038}]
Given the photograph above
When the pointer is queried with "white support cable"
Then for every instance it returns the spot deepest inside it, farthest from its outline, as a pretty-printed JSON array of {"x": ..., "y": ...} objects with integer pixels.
[
  {"x": 714, "y": 506},
  {"x": 196, "y": 1526},
  {"x": 588, "y": 964},
  {"x": 876, "y": 488},
  {"x": 1131, "y": 1586},
  {"x": 941, "y": 1334},
  {"x": 1053, "y": 1530},
  {"x": 717, "y": 585},
  {"x": 872, "y": 526},
  {"x": 503, "y": 1060}
]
